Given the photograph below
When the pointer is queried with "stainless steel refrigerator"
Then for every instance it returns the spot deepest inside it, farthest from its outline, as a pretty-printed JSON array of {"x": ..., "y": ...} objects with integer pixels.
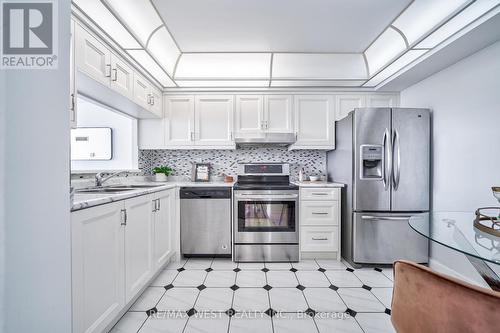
[{"x": 383, "y": 155}]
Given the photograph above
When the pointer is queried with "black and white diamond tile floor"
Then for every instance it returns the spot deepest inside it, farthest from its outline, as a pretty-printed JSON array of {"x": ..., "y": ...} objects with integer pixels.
[{"x": 217, "y": 295}]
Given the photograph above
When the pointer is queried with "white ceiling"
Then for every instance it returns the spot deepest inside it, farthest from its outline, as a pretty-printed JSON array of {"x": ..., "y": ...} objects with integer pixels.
[{"x": 277, "y": 25}]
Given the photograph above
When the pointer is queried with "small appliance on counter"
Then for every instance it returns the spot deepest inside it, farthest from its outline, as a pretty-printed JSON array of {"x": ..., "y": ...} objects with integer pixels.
[{"x": 266, "y": 211}]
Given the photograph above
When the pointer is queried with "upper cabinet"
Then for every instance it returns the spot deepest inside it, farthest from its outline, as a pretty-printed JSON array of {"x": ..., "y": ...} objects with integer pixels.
[
  {"x": 214, "y": 120},
  {"x": 92, "y": 56},
  {"x": 249, "y": 115},
  {"x": 95, "y": 59},
  {"x": 179, "y": 121},
  {"x": 278, "y": 113},
  {"x": 257, "y": 114},
  {"x": 314, "y": 122}
]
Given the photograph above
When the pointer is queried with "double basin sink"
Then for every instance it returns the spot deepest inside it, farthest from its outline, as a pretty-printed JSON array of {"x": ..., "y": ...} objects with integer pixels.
[{"x": 113, "y": 189}]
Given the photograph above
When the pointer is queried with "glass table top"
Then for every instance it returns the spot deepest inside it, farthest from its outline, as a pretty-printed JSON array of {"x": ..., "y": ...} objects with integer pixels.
[{"x": 456, "y": 231}]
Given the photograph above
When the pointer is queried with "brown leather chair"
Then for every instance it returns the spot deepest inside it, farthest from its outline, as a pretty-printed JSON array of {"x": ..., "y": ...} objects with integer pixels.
[{"x": 424, "y": 301}]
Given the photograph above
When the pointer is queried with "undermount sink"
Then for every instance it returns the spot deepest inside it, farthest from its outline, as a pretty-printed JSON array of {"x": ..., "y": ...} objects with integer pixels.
[
  {"x": 133, "y": 186},
  {"x": 114, "y": 188},
  {"x": 103, "y": 190}
]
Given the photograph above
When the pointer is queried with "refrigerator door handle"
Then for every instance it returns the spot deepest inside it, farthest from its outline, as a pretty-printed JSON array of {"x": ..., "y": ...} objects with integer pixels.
[
  {"x": 387, "y": 160},
  {"x": 389, "y": 218},
  {"x": 396, "y": 159}
]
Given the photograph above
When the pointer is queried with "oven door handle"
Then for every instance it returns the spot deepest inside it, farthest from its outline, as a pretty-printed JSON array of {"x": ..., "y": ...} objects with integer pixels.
[{"x": 267, "y": 196}]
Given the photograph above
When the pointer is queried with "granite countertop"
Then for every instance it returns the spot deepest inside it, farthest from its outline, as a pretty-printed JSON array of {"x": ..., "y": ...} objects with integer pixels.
[
  {"x": 318, "y": 184},
  {"x": 86, "y": 200}
]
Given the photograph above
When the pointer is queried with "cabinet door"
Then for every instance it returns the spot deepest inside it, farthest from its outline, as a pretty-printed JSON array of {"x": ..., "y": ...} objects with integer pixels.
[
  {"x": 347, "y": 103},
  {"x": 278, "y": 113},
  {"x": 138, "y": 244},
  {"x": 163, "y": 225},
  {"x": 314, "y": 122},
  {"x": 249, "y": 115},
  {"x": 179, "y": 121},
  {"x": 214, "y": 120},
  {"x": 122, "y": 77},
  {"x": 97, "y": 243},
  {"x": 381, "y": 101},
  {"x": 151, "y": 133},
  {"x": 142, "y": 90},
  {"x": 156, "y": 102},
  {"x": 92, "y": 56}
]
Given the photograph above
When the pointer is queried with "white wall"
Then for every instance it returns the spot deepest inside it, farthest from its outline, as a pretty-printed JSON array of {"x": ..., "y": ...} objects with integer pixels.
[
  {"x": 465, "y": 99},
  {"x": 2, "y": 198},
  {"x": 124, "y": 129},
  {"x": 37, "y": 221}
]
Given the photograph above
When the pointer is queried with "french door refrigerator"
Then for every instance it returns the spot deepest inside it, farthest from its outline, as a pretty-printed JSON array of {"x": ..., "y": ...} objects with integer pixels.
[{"x": 383, "y": 156}]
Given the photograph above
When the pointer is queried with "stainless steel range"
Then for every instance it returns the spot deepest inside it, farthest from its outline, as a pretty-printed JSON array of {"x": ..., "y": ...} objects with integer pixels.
[{"x": 266, "y": 210}]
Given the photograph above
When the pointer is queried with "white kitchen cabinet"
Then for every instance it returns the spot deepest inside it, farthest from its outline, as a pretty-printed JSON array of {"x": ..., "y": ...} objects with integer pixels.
[
  {"x": 347, "y": 103},
  {"x": 141, "y": 91},
  {"x": 156, "y": 102},
  {"x": 320, "y": 222},
  {"x": 314, "y": 122},
  {"x": 381, "y": 100},
  {"x": 163, "y": 226},
  {"x": 278, "y": 113},
  {"x": 257, "y": 114},
  {"x": 138, "y": 244},
  {"x": 92, "y": 56},
  {"x": 249, "y": 115},
  {"x": 97, "y": 249},
  {"x": 179, "y": 121},
  {"x": 214, "y": 120},
  {"x": 122, "y": 77}
]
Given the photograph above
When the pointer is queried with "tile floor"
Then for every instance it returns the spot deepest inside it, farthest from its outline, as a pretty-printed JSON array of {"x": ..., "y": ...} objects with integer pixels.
[{"x": 217, "y": 295}]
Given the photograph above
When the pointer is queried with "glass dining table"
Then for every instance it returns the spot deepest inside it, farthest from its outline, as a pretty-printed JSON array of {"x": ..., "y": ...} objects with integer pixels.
[{"x": 456, "y": 230}]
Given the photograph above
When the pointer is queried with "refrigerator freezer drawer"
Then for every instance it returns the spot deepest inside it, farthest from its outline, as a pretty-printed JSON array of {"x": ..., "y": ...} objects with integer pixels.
[{"x": 384, "y": 238}]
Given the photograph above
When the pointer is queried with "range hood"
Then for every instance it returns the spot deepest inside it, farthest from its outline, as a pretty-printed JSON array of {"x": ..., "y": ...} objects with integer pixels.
[{"x": 267, "y": 139}]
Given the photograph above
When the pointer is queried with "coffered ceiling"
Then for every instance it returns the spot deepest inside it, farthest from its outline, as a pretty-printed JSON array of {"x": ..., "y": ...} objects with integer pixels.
[{"x": 281, "y": 43}]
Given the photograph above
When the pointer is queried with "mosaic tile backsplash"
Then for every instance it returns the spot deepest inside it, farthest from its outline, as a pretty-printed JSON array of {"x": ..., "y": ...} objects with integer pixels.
[{"x": 226, "y": 161}]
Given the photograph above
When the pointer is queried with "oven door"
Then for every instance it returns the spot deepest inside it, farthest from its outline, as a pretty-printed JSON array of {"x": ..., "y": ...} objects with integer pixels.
[{"x": 266, "y": 217}]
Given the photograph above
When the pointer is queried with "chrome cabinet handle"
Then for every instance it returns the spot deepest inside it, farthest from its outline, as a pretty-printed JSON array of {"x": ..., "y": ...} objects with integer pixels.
[
  {"x": 123, "y": 217},
  {"x": 192, "y": 136},
  {"x": 115, "y": 76},
  {"x": 319, "y": 213},
  {"x": 319, "y": 239},
  {"x": 159, "y": 204},
  {"x": 107, "y": 70},
  {"x": 397, "y": 159},
  {"x": 152, "y": 100},
  {"x": 154, "y": 206},
  {"x": 319, "y": 193},
  {"x": 72, "y": 102}
]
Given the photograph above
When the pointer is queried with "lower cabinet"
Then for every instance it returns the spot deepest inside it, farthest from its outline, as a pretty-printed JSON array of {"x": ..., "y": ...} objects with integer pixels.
[
  {"x": 320, "y": 222},
  {"x": 98, "y": 279},
  {"x": 138, "y": 244},
  {"x": 116, "y": 249},
  {"x": 163, "y": 227}
]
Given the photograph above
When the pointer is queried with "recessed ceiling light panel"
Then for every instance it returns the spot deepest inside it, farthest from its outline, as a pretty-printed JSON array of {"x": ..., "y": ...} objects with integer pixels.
[
  {"x": 150, "y": 65},
  {"x": 385, "y": 48},
  {"x": 138, "y": 15},
  {"x": 163, "y": 48}
]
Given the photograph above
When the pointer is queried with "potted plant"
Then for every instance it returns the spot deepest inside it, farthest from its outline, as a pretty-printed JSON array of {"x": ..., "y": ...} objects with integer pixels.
[{"x": 161, "y": 172}]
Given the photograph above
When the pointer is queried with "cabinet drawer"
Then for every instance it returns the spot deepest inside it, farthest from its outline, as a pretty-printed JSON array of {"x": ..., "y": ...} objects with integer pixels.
[
  {"x": 320, "y": 194},
  {"x": 319, "y": 213},
  {"x": 319, "y": 239}
]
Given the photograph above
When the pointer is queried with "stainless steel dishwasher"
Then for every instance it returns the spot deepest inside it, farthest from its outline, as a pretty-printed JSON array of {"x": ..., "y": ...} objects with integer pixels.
[{"x": 205, "y": 221}]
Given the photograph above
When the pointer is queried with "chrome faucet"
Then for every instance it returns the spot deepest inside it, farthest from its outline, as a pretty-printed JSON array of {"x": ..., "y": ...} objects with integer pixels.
[{"x": 99, "y": 179}]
